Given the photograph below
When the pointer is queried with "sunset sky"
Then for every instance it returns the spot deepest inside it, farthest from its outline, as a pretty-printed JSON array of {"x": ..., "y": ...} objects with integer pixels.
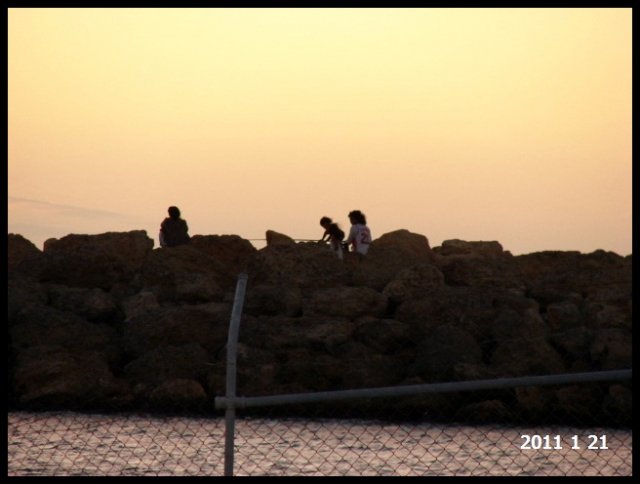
[{"x": 476, "y": 124}]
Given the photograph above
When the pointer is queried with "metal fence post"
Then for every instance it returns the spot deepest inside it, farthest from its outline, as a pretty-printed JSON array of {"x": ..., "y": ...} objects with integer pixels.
[{"x": 232, "y": 346}]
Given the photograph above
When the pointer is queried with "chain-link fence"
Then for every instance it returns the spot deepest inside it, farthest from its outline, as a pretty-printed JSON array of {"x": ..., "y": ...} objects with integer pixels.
[{"x": 269, "y": 443}]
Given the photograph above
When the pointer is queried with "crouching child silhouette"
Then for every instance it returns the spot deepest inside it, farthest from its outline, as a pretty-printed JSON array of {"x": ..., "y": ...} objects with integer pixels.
[{"x": 334, "y": 233}]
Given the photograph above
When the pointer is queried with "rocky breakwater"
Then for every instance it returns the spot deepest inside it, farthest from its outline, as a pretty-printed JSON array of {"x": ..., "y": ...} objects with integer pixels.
[{"x": 108, "y": 322}]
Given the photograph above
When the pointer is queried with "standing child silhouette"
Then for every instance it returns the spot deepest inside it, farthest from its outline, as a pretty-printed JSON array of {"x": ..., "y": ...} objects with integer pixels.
[{"x": 359, "y": 235}]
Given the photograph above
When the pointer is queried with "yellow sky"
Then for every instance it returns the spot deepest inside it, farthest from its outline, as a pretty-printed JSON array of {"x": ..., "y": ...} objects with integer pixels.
[{"x": 479, "y": 124}]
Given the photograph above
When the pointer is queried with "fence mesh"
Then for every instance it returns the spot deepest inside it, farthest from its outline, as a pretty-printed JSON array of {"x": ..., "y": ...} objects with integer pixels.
[{"x": 323, "y": 439}]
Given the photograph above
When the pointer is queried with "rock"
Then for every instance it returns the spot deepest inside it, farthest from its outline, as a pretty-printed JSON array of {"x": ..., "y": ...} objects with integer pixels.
[
  {"x": 269, "y": 300},
  {"x": 384, "y": 336},
  {"x": 188, "y": 361},
  {"x": 416, "y": 282},
  {"x": 509, "y": 324},
  {"x": 481, "y": 264},
  {"x": 175, "y": 326},
  {"x": 53, "y": 377},
  {"x": 275, "y": 238},
  {"x": 392, "y": 253},
  {"x": 231, "y": 251},
  {"x": 346, "y": 302},
  {"x": 185, "y": 274},
  {"x": 563, "y": 315},
  {"x": 306, "y": 266},
  {"x": 138, "y": 305},
  {"x": 579, "y": 403},
  {"x": 526, "y": 358},
  {"x": 178, "y": 395},
  {"x": 599, "y": 276},
  {"x": 445, "y": 347},
  {"x": 617, "y": 404},
  {"x": 484, "y": 412},
  {"x": 20, "y": 250},
  {"x": 611, "y": 349},
  {"x": 302, "y": 371},
  {"x": 602, "y": 315},
  {"x": 96, "y": 261},
  {"x": 257, "y": 372},
  {"x": 415, "y": 246},
  {"x": 461, "y": 247},
  {"x": 574, "y": 344},
  {"x": 23, "y": 293},
  {"x": 93, "y": 304},
  {"x": 471, "y": 309},
  {"x": 535, "y": 401},
  {"x": 46, "y": 326},
  {"x": 306, "y": 333}
]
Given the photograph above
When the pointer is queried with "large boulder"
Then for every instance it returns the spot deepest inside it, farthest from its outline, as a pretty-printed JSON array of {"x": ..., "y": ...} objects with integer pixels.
[
  {"x": 276, "y": 238},
  {"x": 175, "y": 326},
  {"x": 50, "y": 376},
  {"x": 45, "y": 326},
  {"x": 309, "y": 333},
  {"x": 384, "y": 336},
  {"x": 469, "y": 308},
  {"x": 306, "y": 266},
  {"x": 477, "y": 263},
  {"x": 185, "y": 274},
  {"x": 178, "y": 395},
  {"x": 268, "y": 300},
  {"x": 346, "y": 302},
  {"x": 23, "y": 292},
  {"x": 99, "y": 261},
  {"x": 94, "y": 304},
  {"x": 611, "y": 349},
  {"x": 231, "y": 251},
  {"x": 519, "y": 357},
  {"x": 554, "y": 276},
  {"x": 463, "y": 247},
  {"x": 390, "y": 254},
  {"x": 163, "y": 363},
  {"x": 20, "y": 250},
  {"x": 444, "y": 348},
  {"x": 617, "y": 405},
  {"x": 416, "y": 282}
]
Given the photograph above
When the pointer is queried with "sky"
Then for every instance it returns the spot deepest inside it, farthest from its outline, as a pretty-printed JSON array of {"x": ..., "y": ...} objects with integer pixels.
[{"x": 475, "y": 124}]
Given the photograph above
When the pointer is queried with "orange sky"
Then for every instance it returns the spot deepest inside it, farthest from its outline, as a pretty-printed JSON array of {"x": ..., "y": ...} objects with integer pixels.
[{"x": 478, "y": 124}]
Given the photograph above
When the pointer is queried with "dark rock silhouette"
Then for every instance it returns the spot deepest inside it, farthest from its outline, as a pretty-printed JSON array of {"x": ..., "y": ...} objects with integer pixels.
[{"x": 108, "y": 322}]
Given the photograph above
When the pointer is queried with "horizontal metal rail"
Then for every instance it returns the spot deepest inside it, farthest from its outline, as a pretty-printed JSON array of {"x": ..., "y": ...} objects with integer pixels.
[{"x": 426, "y": 388}]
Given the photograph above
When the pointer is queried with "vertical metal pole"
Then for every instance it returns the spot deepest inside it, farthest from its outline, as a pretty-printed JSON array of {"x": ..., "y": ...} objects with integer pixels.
[{"x": 232, "y": 346}]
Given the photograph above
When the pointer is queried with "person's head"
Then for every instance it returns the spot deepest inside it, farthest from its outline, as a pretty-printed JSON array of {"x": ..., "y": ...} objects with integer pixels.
[
  {"x": 357, "y": 217},
  {"x": 325, "y": 222},
  {"x": 174, "y": 212}
]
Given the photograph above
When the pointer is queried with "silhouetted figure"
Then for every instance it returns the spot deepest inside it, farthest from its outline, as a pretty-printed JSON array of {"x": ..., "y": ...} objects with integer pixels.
[
  {"x": 359, "y": 235},
  {"x": 335, "y": 234},
  {"x": 174, "y": 230}
]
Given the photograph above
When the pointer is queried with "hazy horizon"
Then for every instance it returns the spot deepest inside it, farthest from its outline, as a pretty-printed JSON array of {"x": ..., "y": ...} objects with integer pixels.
[
  {"x": 40, "y": 231},
  {"x": 511, "y": 125}
]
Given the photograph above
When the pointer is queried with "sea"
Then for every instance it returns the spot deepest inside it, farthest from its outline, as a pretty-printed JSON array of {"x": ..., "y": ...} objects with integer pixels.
[{"x": 77, "y": 444}]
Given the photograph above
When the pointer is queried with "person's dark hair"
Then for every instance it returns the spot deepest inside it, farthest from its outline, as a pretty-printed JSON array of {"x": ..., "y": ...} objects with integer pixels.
[
  {"x": 358, "y": 217},
  {"x": 174, "y": 212},
  {"x": 325, "y": 220}
]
